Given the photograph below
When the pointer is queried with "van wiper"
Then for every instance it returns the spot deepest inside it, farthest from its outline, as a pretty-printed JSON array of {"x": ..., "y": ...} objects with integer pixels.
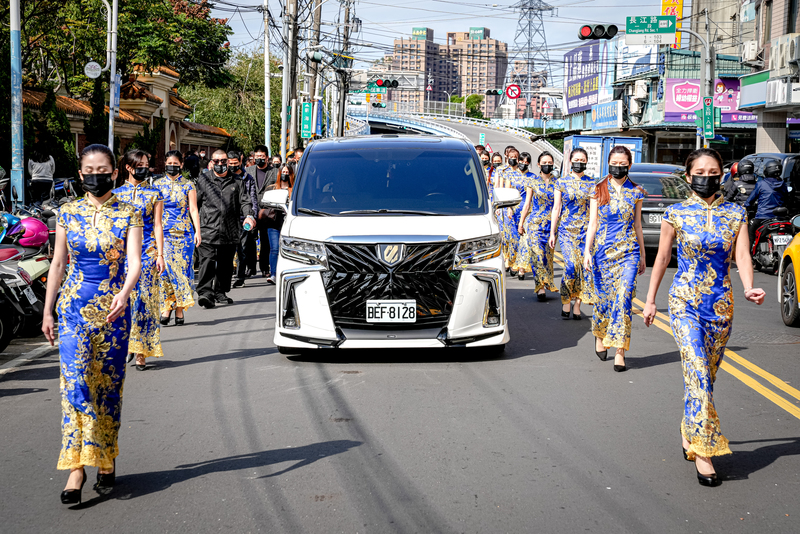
[
  {"x": 408, "y": 212},
  {"x": 318, "y": 213}
]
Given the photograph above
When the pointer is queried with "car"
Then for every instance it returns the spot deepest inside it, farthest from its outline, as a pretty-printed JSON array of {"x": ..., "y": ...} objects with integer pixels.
[
  {"x": 660, "y": 168},
  {"x": 390, "y": 242},
  {"x": 662, "y": 191},
  {"x": 788, "y": 274}
]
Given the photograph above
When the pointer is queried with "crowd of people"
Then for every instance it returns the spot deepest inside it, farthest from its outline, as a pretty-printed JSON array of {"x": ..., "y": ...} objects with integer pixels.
[{"x": 129, "y": 249}]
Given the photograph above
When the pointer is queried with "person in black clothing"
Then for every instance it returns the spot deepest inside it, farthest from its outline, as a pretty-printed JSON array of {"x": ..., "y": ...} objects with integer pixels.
[
  {"x": 264, "y": 174},
  {"x": 222, "y": 200},
  {"x": 738, "y": 191},
  {"x": 191, "y": 165},
  {"x": 769, "y": 193},
  {"x": 286, "y": 173},
  {"x": 204, "y": 161},
  {"x": 246, "y": 248}
]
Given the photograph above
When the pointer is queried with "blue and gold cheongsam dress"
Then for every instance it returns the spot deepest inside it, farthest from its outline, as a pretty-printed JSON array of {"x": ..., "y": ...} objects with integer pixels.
[
  {"x": 177, "y": 280},
  {"x": 93, "y": 352},
  {"x": 615, "y": 265},
  {"x": 537, "y": 231},
  {"x": 701, "y": 309},
  {"x": 146, "y": 296},
  {"x": 575, "y": 197},
  {"x": 514, "y": 249}
]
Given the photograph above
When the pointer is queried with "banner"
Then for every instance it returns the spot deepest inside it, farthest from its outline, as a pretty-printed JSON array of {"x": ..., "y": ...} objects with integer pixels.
[
  {"x": 581, "y": 78},
  {"x": 606, "y": 70},
  {"x": 675, "y": 8},
  {"x": 683, "y": 99},
  {"x": 634, "y": 59},
  {"x": 608, "y": 115}
]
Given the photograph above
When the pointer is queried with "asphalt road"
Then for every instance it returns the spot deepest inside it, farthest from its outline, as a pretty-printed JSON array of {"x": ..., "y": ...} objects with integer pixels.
[
  {"x": 225, "y": 434},
  {"x": 496, "y": 139}
]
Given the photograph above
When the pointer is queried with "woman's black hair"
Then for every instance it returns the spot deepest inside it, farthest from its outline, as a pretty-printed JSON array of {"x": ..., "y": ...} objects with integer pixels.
[
  {"x": 174, "y": 154},
  {"x": 97, "y": 149},
  {"x": 699, "y": 153},
  {"x": 132, "y": 158},
  {"x": 620, "y": 149},
  {"x": 577, "y": 151},
  {"x": 525, "y": 156},
  {"x": 543, "y": 154},
  {"x": 497, "y": 155}
]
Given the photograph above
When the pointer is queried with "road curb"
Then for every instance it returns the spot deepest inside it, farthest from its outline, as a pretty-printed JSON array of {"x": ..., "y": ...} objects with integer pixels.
[{"x": 22, "y": 359}]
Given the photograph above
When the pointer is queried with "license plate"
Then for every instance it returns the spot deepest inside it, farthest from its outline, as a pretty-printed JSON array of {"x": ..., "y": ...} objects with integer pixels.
[
  {"x": 391, "y": 311},
  {"x": 29, "y": 294},
  {"x": 781, "y": 239},
  {"x": 654, "y": 218}
]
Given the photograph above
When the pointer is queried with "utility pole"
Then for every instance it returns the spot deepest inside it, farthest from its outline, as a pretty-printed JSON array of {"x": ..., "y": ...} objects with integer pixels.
[
  {"x": 291, "y": 6},
  {"x": 113, "y": 73},
  {"x": 17, "y": 148},
  {"x": 314, "y": 70},
  {"x": 343, "y": 82},
  {"x": 267, "y": 84},
  {"x": 706, "y": 71},
  {"x": 287, "y": 77}
]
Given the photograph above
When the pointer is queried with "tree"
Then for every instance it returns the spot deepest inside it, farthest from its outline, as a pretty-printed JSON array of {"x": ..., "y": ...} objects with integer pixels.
[
  {"x": 473, "y": 104},
  {"x": 149, "y": 139},
  {"x": 53, "y": 137},
  {"x": 96, "y": 126}
]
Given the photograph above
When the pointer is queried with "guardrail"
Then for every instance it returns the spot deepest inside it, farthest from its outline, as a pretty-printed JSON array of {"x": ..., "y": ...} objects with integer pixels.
[
  {"x": 359, "y": 127},
  {"x": 413, "y": 119}
]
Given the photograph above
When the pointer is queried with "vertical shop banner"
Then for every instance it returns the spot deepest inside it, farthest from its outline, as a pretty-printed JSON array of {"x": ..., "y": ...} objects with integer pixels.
[
  {"x": 674, "y": 8},
  {"x": 684, "y": 102},
  {"x": 581, "y": 78},
  {"x": 608, "y": 59}
]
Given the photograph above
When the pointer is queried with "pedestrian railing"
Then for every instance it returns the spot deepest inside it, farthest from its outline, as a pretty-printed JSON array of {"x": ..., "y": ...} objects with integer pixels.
[
  {"x": 356, "y": 127},
  {"x": 412, "y": 120}
]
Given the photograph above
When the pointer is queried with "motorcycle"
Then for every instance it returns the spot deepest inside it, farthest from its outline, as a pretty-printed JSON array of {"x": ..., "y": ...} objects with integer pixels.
[
  {"x": 771, "y": 239},
  {"x": 17, "y": 299}
]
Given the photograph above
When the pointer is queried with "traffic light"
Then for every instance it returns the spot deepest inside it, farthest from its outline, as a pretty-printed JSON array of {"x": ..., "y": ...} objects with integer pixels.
[
  {"x": 315, "y": 57},
  {"x": 389, "y": 84},
  {"x": 589, "y": 32},
  {"x": 378, "y": 105},
  {"x": 494, "y": 92}
]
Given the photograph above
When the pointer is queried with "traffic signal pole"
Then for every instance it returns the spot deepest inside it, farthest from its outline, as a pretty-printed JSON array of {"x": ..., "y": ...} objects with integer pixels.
[
  {"x": 343, "y": 89},
  {"x": 267, "y": 85},
  {"x": 17, "y": 149},
  {"x": 706, "y": 73},
  {"x": 113, "y": 72}
]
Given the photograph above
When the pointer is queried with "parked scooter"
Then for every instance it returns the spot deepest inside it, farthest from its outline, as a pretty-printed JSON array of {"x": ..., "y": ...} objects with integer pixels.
[
  {"x": 771, "y": 239},
  {"x": 21, "y": 308}
]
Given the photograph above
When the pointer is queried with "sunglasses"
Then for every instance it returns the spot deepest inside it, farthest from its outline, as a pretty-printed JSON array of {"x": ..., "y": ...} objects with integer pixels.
[{"x": 220, "y": 161}]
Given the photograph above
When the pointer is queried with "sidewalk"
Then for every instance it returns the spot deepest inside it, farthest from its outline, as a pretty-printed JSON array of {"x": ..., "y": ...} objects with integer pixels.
[{"x": 24, "y": 345}]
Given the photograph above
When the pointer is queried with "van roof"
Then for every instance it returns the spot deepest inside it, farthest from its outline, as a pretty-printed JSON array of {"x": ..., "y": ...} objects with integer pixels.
[{"x": 396, "y": 141}]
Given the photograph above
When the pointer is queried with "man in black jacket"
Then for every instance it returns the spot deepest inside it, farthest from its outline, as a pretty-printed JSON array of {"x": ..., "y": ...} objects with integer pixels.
[
  {"x": 246, "y": 249},
  {"x": 221, "y": 199},
  {"x": 265, "y": 175}
]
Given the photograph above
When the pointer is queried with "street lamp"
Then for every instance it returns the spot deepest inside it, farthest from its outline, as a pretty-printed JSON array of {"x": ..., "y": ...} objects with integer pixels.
[{"x": 194, "y": 108}]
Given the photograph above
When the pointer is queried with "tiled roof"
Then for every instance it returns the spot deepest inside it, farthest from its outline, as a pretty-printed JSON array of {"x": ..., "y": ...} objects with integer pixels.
[
  {"x": 204, "y": 128},
  {"x": 35, "y": 99},
  {"x": 179, "y": 102},
  {"x": 162, "y": 69},
  {"x": 138, "y": 91}
]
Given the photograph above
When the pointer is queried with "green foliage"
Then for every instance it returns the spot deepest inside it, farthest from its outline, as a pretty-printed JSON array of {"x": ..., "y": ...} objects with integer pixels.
[
  {"x": 149, "y": 139},
  {"x": 239, "y": 107},
  {"x": 456, "y": 99},
  {"x": 558, "y": 143},
  {"x": 96, "y": 126},
  {"x": 473, "y": 104},
  {"x": 53, "y": 137}
]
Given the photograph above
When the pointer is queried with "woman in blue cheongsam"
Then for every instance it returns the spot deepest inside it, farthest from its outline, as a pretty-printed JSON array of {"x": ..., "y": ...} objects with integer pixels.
[
  {"x": 614, "y": 256},
  {"x": 180, "y": 221},
  {"x": 98, "y": 234},
  {"x": 513, "y": 248},
  {"x": 709, "y": 231},
  {"x": 535, "y": 224},
  {"x": 571, "y": 207},
  {"x": 145, "y": 340}
]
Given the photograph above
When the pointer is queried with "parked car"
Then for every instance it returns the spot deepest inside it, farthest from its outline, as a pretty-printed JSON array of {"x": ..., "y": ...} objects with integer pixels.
[
  {"x": 663, "y": 190},
  {"x": 660, "y": 168},
  {"x": 788, "y": 274}
]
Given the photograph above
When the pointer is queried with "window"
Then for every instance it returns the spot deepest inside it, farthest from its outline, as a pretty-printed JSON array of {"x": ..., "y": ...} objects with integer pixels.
[
  {"x": 767, "y": 21},
  {"x": 792, "y": 26}
]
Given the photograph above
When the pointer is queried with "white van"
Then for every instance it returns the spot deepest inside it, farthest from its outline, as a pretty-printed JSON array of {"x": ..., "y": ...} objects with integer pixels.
[{"x": 390, "y": 242}]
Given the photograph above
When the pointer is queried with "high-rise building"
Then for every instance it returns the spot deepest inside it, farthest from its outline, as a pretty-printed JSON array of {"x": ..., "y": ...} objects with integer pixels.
[
  {"x": 480, "y": 64},
  {"x": 421, "y": 53}
]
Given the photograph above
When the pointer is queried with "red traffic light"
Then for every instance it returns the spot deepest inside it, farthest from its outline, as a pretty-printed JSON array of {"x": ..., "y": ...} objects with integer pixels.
[
  {"x": 585, "y": 32},
  {"x": 379, "y": 83},
  {"x": 597, "y": 31}
]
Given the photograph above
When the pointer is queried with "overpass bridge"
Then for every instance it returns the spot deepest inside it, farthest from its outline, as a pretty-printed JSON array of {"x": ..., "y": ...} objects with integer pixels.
[{"x": 495, "y": 135}]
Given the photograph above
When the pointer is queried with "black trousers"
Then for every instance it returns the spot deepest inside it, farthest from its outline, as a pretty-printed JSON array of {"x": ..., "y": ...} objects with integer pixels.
[
  {"x": 755, "y": 226},
  {"x": 263, "y": 257},
  {"x": 216, "y": 269},
  {"x": 246, "y": 252}
]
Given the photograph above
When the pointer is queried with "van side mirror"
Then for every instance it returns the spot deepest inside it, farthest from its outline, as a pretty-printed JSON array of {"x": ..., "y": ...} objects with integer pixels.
[
  {"x": 505, "y": 197},
  {"x": 277, "y": 198}
]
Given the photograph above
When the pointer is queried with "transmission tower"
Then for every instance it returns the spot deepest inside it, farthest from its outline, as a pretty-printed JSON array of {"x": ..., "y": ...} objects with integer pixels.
[{"x": 530, "y": 51}]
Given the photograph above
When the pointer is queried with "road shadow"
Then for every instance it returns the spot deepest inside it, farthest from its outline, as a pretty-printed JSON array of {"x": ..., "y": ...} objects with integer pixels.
[
  {"x": 741, "y": 464},
  {"x": 396, "y": 356},
  {"x": 33, "y": 372},
  {"x": 654, "y": 360},
  {"x": 160, "y": 364},
  {"x": 19, "y": 391},
  {"x": 140, "y": 484},
  {"x": 221, "y": 320}
]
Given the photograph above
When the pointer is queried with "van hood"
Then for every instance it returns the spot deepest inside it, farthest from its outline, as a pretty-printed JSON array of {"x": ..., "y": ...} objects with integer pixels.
[{"x": 438, "y": 228}]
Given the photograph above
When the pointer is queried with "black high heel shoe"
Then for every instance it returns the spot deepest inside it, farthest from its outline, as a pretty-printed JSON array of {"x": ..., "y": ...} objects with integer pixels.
[
  {"x": 564, "y": 314},
  {"x": 686, "y": 455},
  {"x": 707, "y": 480},
  {"x": 105, "y": 481},
  {"x": 165, "y": 320},
  {"x": 73, "y": 496},
  {"x": 521, "y": 276},
  {"x": 179, "y": 321},
  {"x": 541, "y": 297},
  {"x": 602, "y": 354},
  {"x": 620, "y": 368}
]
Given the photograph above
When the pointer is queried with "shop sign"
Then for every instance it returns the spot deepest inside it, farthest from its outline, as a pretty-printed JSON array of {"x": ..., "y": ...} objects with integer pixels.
[
  {"x": 582, "y": 78},
  {"x": 684, "y": 102},
  {"x": 608, "y": 115}
]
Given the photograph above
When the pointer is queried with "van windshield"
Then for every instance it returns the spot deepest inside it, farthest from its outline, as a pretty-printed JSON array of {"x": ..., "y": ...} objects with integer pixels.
[{"x": 392, "y": 181}]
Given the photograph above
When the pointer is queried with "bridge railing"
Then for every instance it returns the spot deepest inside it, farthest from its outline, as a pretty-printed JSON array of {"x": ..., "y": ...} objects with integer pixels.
[
  {"x": 411, "y": 119},
  {"x": 356, "y": 127}
]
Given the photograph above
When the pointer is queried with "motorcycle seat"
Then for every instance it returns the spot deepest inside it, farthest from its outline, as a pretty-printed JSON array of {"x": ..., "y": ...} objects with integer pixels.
[
  {"x": 7, "y": 254},
  {"x": 24, "y": 252}
]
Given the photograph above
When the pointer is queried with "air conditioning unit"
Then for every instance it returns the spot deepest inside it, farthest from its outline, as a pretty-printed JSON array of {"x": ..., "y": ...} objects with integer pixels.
[
  {"x": 780, "y": 53},
  {"x": 635, "y": 108},
  {"x": 749, "y": 51},
  {"x": 794, "y": 51},
  {"x": 641, "y": 89}
]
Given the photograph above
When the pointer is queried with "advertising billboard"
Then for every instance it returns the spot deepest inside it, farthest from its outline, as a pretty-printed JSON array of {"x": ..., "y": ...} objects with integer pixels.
[
  {"x": 635, "y": 59},
  {"x": 608, "y": 115},
  {"x": 683, "y": 99},
  {"x": 581, "y": 78}
]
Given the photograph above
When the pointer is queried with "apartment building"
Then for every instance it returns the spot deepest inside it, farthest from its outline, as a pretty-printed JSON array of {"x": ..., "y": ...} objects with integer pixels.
[{"x": 480, "y": 64}]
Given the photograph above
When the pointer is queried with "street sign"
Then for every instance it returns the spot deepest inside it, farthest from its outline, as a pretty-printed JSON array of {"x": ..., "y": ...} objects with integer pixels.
[
  {"x": 545, "y": 105},
  {"x": 368, "y": 97},
  {"x": 489, "y": 148},
  {"x": 650, "y": 30},
  {"x": 306, "y": 120},
  {"x": 374, "y": 90},
  {"x": 429, "y": 88},
  {"x": 513, "y": 91},
  {"x": 93, "y": 70},
  {"x": 708, "y": 117},
  {"x": 482, "y": 139}
]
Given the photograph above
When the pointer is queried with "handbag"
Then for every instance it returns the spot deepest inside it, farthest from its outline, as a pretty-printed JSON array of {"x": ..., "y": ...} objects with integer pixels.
[{"x": 268, "y": 214}]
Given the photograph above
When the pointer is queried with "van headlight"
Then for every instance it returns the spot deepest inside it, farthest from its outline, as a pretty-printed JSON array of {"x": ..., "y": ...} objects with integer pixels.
[
  {"x": 477, "y": 250},
  {"x": 308, "y": 252}
]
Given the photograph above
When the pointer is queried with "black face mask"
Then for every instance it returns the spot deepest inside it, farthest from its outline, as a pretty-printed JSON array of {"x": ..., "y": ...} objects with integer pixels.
[
  {"x": 578, "y": 166},
  {"x": 261, "y": 162},
  {"x": 523, "y": 167},
  {"x": 233, "y": 168},
  {"x": 220, "y": 169},
  {"x": 496, "y": 164},
  {"x": 546, "y": 169},
  {"x": 172, "y": 170},
  {"x": 705, "y": 186},
  {"x": 98, "y": 184},
  {"x": 618, "y": 171},
  {"x": 140, "y": 174},
  {"x": 512, "y": 162},
  {"x": 284, "y": 177},
  {"x": 485, "y": 162}
]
